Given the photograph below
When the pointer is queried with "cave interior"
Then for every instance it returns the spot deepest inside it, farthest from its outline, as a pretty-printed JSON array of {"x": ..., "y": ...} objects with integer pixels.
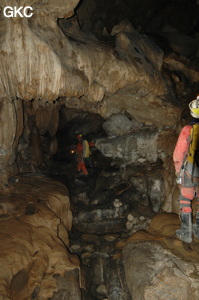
[{"x": 121, "y": 73}]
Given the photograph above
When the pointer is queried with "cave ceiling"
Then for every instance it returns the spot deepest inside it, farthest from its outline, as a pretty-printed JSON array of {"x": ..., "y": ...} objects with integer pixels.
[
  {"x": 100, "y": 57},
  {"x": 154, "y": 16},
  {"x": 90, "y": 56}
]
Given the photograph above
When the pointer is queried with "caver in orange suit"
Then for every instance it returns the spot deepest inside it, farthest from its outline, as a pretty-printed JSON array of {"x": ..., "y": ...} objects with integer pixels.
[
  {"x": 81, "y": 156},
  {"x": 80, "y": 161},
  {"x": 188, "y": 178}
]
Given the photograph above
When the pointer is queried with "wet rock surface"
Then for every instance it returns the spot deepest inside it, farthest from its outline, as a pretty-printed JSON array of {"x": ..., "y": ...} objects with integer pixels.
[
  {"x": 35, "y": 218},
  {"x": 111, "y": 219},
  {"x": 152, "y": 272},
  {"x": 104, "y": 276},
  {"x": 137, "y": 259},
  {"x": 105, "y": 209},
  {"x": 157, "y": 265},
  {"x": 142, "y": 260}
]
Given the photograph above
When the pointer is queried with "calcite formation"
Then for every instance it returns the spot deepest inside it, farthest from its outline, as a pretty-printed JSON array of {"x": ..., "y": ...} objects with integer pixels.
[
  {"x": 39, "y": 62},
  {"x": 35, "y": 218}
]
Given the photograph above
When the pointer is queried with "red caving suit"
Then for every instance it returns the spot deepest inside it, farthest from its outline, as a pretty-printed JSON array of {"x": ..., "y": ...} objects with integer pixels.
[
  {"x": 188, "y": 189},
  {"x": 80, "y": 157}
]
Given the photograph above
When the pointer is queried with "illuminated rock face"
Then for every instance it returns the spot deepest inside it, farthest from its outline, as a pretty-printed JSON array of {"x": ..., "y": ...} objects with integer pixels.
[
  {"x": 35, "y": 218},
  {"x": 35, "y": 70},
  {"x": 157, "y": 273},
  {"x": 39, "y": 62},
  {"x": 157, "y": 264}
]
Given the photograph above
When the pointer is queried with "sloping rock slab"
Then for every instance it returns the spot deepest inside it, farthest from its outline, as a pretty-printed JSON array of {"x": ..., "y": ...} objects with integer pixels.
[
  {"x": 35, "y": 218},
  {"x": 154, "y": 273},
  {"x": 159, "y": 266}
]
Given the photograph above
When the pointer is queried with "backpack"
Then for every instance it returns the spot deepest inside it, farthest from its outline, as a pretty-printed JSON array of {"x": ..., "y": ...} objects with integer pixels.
[
  {"x": 193, "y": 154},
  {"x": 86, "y": 149}
]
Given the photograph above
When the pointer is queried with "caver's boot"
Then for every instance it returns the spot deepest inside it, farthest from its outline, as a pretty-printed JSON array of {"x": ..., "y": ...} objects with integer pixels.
[
  {"x": 185, "y": 232},
  {"x": 196, "y": 226}
]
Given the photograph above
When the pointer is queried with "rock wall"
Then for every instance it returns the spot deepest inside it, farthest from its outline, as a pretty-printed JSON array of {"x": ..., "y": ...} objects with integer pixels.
[
  {"x": 30, "y": 67},
  {"x": 11, "y": 129},
  {"x": 46, "y": 64},
  {"x": 27, "y": 136},
  {"x": 38, "y": 141},
  {"x": 35, "y": 218},
  {"x": 41, "y": 61},
  {"x": 140, "y": 151}
]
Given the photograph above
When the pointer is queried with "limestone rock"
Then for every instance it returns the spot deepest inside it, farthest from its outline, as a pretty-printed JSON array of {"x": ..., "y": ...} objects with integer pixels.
[
  {"x": 36, "y": 153},
  {"x": 123, "y": 26},
  {"x": 98, "y": 221},
  {"x": 32, "y": 55},
  {"x": 11, "y": 120},
  {"x": 35, "y": 218},
  {"x": 117, "y": 124},
  {"x": 68, "y": 286},
  {"x": 157, "y": 264},
  {"x": 181, "y": 43},
  {"x": 154, "y": 273},
  {"x": 101, "y": 290},
  {"x": 131, "y": 148},
  {"x": 46, "y": 117},
  {"x": 156, "y": 192},
  {"x": 116, "y": 287},
  {"x": 47, "y": 64}
]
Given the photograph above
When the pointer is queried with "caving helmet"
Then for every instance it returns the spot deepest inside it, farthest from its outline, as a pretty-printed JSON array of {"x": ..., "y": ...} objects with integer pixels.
[
  {"x": 79, "y": 136},
  {"x": 194, "y": 107}
]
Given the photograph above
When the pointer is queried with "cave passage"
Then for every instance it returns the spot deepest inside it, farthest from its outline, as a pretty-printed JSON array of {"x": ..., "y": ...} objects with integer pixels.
[
  {"x": 120, "y": 73},
  {"x": 104, "y": 182},
  {"x": 106, "y": 208}
]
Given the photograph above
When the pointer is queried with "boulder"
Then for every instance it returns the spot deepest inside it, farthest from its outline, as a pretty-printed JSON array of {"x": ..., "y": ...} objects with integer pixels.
[
  {"x": 152, "y": 272},
  {"x": 139, "y": 147},
  {"x": 117, "y": 124}
]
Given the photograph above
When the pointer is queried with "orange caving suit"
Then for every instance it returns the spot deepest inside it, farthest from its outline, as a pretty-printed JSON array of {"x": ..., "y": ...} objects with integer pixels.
[
  {"x": 188, "y": 189},
  {"x": 80, "y": 158}
]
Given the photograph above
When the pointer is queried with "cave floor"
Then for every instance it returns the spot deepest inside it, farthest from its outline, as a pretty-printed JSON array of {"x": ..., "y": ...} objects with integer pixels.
[{"x": 18, "y": 201}]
